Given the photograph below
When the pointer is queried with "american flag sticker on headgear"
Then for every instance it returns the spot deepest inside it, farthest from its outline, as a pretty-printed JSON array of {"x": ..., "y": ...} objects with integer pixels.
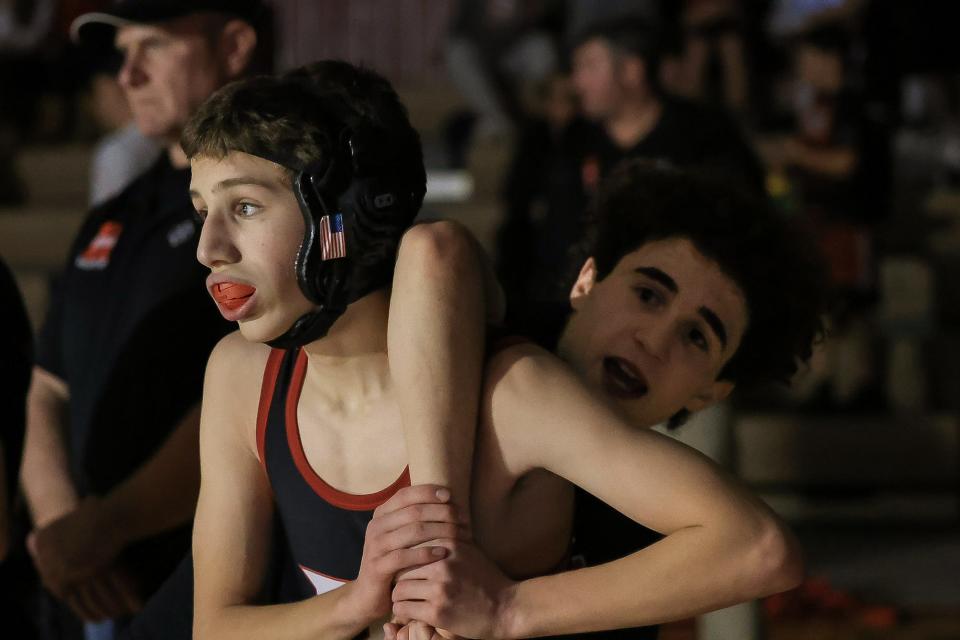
[{"x": 332, "y": 243}]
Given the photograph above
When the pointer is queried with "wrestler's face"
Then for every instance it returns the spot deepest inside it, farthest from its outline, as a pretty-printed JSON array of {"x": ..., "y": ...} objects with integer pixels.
[
  {"x": 655, "y": 333},
  {"x": 251, "y": 233}
]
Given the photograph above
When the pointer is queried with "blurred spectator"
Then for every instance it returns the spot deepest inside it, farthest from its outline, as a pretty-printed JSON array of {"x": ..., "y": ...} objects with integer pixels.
[
  {"x": 543, "y": 202},
  {"x": 123, "y": 152},
  {"x": 712, "y": 61},
  {"x": 496, "y": 50},
  {"x": 23, "y": 27},
  {"x": 582, "y": 14},
  {"x": 110, "y": 466},
  {"x": 616, "y": 70}
]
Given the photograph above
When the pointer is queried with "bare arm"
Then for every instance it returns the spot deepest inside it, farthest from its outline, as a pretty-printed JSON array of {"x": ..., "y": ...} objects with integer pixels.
[
  {"x": 159, "y": 496},
  {"x": 232, "y": 527},
  {"x": 722, "y": 545},
  {"x": 45, "y": 471},
  {"x": 836, "y": 162},
  {"x": 443, "y": 291}
]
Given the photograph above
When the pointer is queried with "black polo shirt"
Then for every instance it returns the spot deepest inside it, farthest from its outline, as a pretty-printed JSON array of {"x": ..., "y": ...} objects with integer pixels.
[
  {"x": 690, "y": 135},
  {"x": 130, "y": 328}
]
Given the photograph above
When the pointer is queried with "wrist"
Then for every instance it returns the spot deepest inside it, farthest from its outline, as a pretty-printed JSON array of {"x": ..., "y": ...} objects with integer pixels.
[
  {"x": 509, "y": 619},
  {"x": 354, "y": 608},
  {"x": 117, "y": 520}
]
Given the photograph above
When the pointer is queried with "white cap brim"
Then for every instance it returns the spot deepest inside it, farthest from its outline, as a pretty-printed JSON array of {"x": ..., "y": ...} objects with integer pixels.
[{"x": 95, "y": 18}]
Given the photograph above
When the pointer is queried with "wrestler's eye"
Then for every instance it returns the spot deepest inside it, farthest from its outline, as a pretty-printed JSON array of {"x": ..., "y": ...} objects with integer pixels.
[
  {"x": 247, "y": 209},
  {"x": 201, "y": 215},
  {"x": 648, "y": 296},
  {"x": 698, "y": 339}
]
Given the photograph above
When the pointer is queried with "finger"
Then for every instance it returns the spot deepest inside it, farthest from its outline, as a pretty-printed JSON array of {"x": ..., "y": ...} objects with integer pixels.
[
  {"x": 418, "y": 513},
  {"x": 404, "y": 633},
  {"x": 79, "y": 607},
  {"x": 401, "y": 559},
  {"x": 417, "y": 533},
  {"x": 420, "y": 631},
  {"x": 417, "y": 494},
  {"x": 413, "y": 590},
  {"x": 113, "y": 594},
  {"x": 415, "y": 610},
  {"x": 390, "y": 631},
  {"x": 427, "y": 571},
  {"x": 125, "y": 590},
  {"x": 104, "y": 602},
  {"x": 89, "y": 603}
]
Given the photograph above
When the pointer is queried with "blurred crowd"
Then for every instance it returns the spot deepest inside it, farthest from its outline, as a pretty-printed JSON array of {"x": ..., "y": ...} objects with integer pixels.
[
  {"x": 829, "y": 107},
  {"x": 845, "y": 113}
]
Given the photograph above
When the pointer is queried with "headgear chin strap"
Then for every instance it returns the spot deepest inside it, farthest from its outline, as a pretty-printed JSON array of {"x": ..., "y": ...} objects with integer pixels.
[{"x": 340, "y": 202}]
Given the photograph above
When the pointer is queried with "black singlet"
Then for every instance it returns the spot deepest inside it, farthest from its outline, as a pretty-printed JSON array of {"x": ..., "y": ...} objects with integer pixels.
[{"x": 324, "y": 526}]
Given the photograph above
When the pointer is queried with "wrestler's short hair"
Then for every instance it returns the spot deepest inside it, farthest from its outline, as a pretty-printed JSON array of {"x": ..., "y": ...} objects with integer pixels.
[{"x": 773, "y": 261}]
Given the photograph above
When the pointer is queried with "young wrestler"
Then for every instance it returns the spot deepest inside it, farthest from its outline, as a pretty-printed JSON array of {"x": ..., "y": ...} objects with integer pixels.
[
  {"x": 327, "y": 403},
  {"x": 633, "y": 295}
]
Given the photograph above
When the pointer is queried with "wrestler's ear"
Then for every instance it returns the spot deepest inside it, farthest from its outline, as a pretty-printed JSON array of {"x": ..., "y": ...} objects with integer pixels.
[
  {"x": 712, "y": 393},
  {"x": 584, "y": 284}
]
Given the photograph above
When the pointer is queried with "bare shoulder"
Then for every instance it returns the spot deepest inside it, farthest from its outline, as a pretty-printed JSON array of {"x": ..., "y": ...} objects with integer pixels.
[
  {"x": 525, "y": 371},
  {"x": 231, "y": 392},
  {"x": 527, "y": 399}
]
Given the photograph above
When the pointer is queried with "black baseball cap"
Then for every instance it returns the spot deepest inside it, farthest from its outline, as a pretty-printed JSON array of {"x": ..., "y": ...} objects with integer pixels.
[{"x": 94, "y": 28}]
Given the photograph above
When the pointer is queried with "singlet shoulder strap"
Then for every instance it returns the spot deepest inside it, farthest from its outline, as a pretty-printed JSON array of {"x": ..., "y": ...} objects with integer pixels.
[{"x": 270, "y": 372}]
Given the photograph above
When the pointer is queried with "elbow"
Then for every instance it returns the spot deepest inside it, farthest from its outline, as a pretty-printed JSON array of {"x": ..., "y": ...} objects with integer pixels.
[
  {"x": 440, "y": 247},
  {"x": 777, "y": 561}
]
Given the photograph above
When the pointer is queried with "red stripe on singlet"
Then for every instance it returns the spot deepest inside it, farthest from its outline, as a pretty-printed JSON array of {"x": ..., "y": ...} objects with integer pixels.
[
  {"x": 349, "y": 501},
  {"x": 266, "y": 396}
]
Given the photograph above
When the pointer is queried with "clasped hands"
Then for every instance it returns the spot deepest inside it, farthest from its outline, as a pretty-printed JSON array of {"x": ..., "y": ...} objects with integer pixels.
[
  {"x": 75, "y": 556},
  {"x": 420, "y": 565}
]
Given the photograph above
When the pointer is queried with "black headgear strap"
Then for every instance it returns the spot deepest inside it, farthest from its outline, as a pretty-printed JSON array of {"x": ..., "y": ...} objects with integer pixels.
[{"x": 346, "y": 183}]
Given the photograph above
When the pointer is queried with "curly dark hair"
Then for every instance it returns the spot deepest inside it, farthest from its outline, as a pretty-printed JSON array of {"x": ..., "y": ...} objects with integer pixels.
[
  {"x": 774, "y": 262},
  {"x": 292, "y": 120}
]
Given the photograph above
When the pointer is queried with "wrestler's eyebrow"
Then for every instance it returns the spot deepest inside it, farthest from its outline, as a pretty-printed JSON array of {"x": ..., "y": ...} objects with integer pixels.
[
  {"x": 235, "y": 182},
  {"x": 656, "y": 274},
  {"x": 716, "y": 324}
]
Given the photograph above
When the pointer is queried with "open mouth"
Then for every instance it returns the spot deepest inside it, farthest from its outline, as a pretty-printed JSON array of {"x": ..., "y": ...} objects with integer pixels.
[{"x": 622, "y": 379}]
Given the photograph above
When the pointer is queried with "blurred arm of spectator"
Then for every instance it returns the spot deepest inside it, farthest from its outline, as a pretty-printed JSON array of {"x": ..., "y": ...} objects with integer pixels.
[
  {"x": 836, "y": 162},
  {"x": 45, "y": 474},
  {"x": 16, "y": 37},
  {"x": 159, "y": 496}
]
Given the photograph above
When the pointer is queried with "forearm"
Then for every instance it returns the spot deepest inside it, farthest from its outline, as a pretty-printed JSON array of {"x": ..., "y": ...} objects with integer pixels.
[
  {"x": 45, "y": 471},
  {"x": 161, "y": 494},
  {"x": 837, "y": 163},
  {"x": 689, "y": 572},
  {"x": 330, "y": 615},
  {"x": 436, "y": 346}
]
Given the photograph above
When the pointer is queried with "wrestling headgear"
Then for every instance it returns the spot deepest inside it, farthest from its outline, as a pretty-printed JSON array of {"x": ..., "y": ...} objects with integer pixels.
[{"x": 349, "y": 204}]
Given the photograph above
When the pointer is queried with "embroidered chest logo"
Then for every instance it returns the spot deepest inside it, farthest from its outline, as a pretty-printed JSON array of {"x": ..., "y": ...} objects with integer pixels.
[{"x": 97, "y": 255}]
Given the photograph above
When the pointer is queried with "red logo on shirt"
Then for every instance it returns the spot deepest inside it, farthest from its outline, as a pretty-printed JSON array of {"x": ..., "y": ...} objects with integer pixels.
[
  {"x": 97, "y": 254},
  {"x": 590, "y": 173}
]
